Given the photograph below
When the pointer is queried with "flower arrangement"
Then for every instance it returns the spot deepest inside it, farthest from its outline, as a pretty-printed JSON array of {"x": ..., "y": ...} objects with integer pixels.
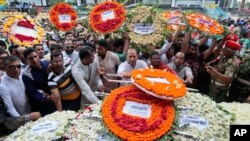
[
  {"x": 198, "y": 105},
  {"x": 136, "y": 128},
  {"x": 15, "y": 27},
  {"x": 173, "y": 18},
  {"x": 107, "y": 17},
  {"x": 204, "y": 23},
  {"x": 174, "y": 89},
  {"x": 241, "y": 111},
  {"x": 81, "y": 129},
  {"x": 146, "y": 15},
  {"x": 63, "y": 16},
  {"x": 61, "y": 118}
]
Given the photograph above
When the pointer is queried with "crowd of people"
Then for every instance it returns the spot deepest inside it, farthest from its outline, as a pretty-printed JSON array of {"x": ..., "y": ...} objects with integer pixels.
[{"x": 66, "y": 71}]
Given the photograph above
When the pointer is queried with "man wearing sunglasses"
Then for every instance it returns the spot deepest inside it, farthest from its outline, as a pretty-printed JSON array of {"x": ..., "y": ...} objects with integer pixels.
[{"x": 12, "y": 90}]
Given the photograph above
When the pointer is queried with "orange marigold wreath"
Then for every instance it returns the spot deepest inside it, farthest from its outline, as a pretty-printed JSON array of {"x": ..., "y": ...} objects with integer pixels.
[
  {"x": 107, "y": 17},
  {"x": 175, "y": 88},
  {"x": 63, "y": 11},
  {"x": 204, "y": 23},
  {"x": 134, "y": 128}
]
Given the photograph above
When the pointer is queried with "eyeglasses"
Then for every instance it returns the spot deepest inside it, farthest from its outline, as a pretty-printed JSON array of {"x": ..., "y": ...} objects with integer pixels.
[{"x": 12, "y": 67}]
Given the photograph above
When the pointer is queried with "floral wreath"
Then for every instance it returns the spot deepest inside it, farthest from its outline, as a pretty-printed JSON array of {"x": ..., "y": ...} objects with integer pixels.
[
  {"x": 173, "y": 18},
  {"x": 107, "y": 17},
  {"x": 204, "y": 23},
  {"x": 63, "y": 16},
  {"x": 172, "y": 89},
  {"x": 22, "y": 38},
  {"x": 145, "y": 15},
  {"x": 129, "y": 127}
]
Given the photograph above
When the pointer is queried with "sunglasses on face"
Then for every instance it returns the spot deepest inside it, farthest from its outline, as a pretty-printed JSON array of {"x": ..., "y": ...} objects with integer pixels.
[{"x": 13, "y": 67}]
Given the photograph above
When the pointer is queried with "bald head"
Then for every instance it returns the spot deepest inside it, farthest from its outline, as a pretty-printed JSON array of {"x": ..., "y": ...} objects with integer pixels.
[
  {"x": 179, "y": 58},
  {"x": 131, "y": 56}
]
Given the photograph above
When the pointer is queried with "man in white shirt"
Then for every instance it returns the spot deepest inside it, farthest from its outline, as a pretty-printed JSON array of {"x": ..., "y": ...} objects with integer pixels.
[
  {"x": 85, "y": 74},
  {"x": 130, "y": 64},
  {"x": 70, "y": 51},
  {"x": 184, "y": 72},
  {"x": 108, "y": 63},
  {"x": 12, "y": 89}
]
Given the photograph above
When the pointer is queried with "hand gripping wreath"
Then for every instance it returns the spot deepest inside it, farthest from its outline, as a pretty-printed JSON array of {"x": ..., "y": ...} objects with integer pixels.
[
  {"x": 173, "y": 18},
  {"x": 204, "y": 23},
  {"x": 23, "y": 30},
  {"x": 107, "y": 17},
  {"x": 63, "y": 16},
  {"x": 159, "y": 83},
  {"x": 119, "y": 119}
]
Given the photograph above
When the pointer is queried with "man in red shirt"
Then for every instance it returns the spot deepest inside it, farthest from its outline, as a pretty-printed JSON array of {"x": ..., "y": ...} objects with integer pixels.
[{"x": 156, "y": 63}]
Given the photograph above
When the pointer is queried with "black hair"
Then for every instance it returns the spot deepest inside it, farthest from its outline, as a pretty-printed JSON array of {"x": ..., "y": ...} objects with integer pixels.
[
  {"x": 8, "y": 59},
  {"x": 2, "y": 51},
  {"x": 67, "y": 40},
  {"x": 244, "y": 34},
  {"x": 81, "y": 39},
  {"x": 103, "y": 43},
  {"x": 181, "y": 35},
  {"x": 88, "y": 45},
  {"x": 55, "y": 54},
  {"x": 36, "y": 45},
  {"x": 85, "y": 52},
  {"x": 28, "y": 51},
  {"x": 67, "y": 33},
  {"x": 153, "y": 53},
  {"x": 55, "y": 46},
  {"x": 47, "y": 43},
  {"x": 12, "y": 47},
  {"x": 193, "y": 44},
  {"x": 2, "y": 43},
  {"x": 118, "y": 43}
]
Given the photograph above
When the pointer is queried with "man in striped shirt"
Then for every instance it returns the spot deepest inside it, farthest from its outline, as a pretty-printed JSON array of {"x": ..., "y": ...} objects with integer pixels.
[{"x": 61, "y": 83}]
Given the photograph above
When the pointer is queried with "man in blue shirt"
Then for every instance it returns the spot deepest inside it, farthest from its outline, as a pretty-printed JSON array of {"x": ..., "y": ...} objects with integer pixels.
[{"x": 36, "y": 83}]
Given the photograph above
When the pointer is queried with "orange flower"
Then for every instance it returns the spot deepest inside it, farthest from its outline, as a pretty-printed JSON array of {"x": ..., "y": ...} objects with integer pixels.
[
  {"x": 116, "y": 18},
  {"x": 204, "y": 23},
  {"x": 134, "y": 128},
  {"x": 60, "y": 9},
  {"x": 175, "y": 89},
  {"x": 176, "y": 15}
]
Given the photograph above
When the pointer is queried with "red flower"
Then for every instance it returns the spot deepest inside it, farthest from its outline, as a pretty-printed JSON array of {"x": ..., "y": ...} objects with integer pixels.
[{"x": 24, "y": 38}]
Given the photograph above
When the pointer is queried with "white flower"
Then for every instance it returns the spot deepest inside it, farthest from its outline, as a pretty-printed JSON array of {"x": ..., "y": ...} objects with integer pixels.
[{"x": 61, "y": 118}]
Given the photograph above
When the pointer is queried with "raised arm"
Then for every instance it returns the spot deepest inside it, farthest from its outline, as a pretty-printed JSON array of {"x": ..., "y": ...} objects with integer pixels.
[
  {"x": 185, "y": 43},
  {"x": 209, "y": 51}
]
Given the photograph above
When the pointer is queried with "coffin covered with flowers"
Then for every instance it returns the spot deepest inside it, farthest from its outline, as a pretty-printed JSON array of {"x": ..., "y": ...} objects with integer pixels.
[
  {"x": 196, "y": 117},
  {"x": 156, "y": 107}
]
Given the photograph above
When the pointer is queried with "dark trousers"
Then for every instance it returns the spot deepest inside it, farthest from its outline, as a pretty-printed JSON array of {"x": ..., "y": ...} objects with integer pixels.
[
  {"x": 238, "y": 91},
  {"x": 218, "y": 93},
  {"x": 73, "y": 105}
]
